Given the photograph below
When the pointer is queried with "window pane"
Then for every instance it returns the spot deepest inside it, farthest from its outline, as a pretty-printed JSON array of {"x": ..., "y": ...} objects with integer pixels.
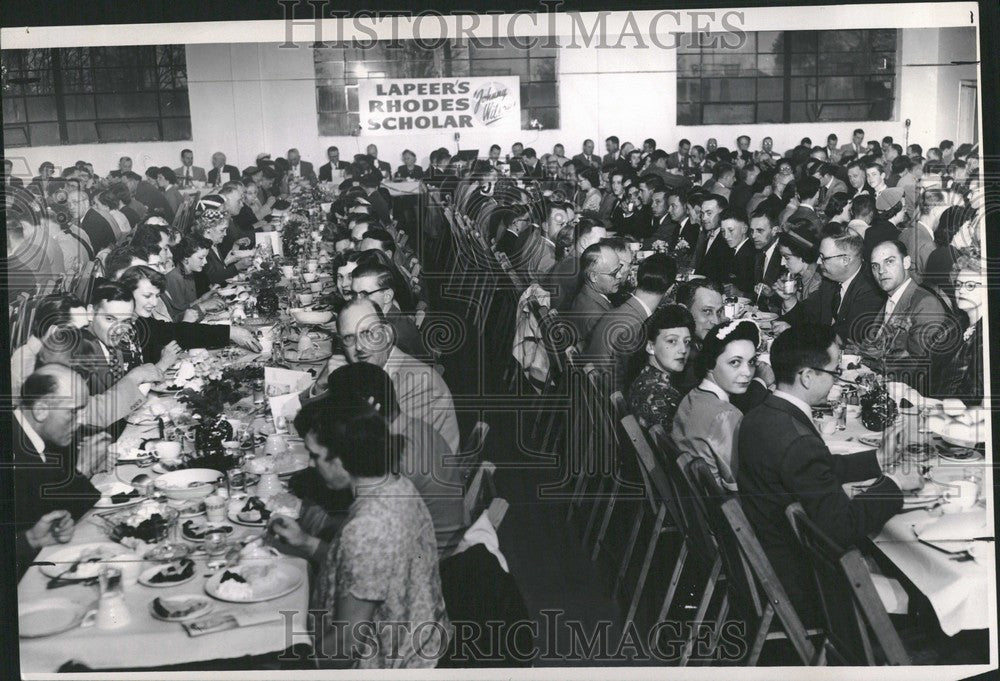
[
  {"x": 842, "y": 88},
  {"x": 130, "y": 131},
  {"x": 126, "y": 106},
  {"x": 547, "y": 117},
  {"x": 688, "y": 90},
  {"x": 543, "y": 69},
  {"x": 329, "y": 69},
  {"x": 803, "y": 112},
  {"x": 770, "y": 112},
  {"x": 725, "y": 114},
  {"x": 803, "y": 64},
  {"x": 334, "y": 124},
  {"x": 331, "y": 98},
  {"x": 44, "y": 134},
  {"x": 729, "y": 65},
  {"x": 503, "y": 49},
  {"x": 883, "y": 39},
  {"x": 15, "y": 136},
  {"x": 42, "y": 109},
  {"x": 840, "y": 41},
  {"x": 845, "y": 64},
  {"x": 771, "y": 64},
  {"x": 79, "y": 107},
  {"x": 82, "y": 132},
  {"x": 460, "y": 68},
  {"x": 174, "y": 104},
  {"x": 501, "y": 67},
  {"x": 729, "y": 89},
  {"x": 803, "y": 88},
  {"x": 688, "y": 114},
  {"x": 770, "y": 41},
  {"x": 13, "y": 110},
  {"x": 770, "y": 89},
  {"x": 802, "y": 41},
  {"x": 542, "y": 94},
  {"x": 352, "y": 99},
  {"x": 176, "y": 128},
  {"x": 688, "y": 64}
]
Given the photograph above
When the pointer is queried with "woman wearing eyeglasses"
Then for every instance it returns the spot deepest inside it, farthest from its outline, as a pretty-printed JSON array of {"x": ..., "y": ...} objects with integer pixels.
[
  {"x": 706, "y": 421},
  {"x": 966, "y": 371}
]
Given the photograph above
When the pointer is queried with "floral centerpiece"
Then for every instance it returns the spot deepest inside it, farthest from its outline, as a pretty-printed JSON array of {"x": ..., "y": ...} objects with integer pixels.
[
  {"x": 219, "y": 388},
  {"x": 291, "y": 236},
  {"x": 878, "y": 409}
]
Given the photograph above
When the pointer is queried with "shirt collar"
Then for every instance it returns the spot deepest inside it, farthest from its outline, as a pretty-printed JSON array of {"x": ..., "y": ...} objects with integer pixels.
[
  {"x": 894, "y": 298},
  {"x": 649, "y": 313},
  {"x": 769, "y": 251},
  {"x": 792, "y": 399},
  {"x": 711, "y": 387},
  {"x": 36, "y": 440},
  {"x": 845, "y": 285},
  {"x": 740, "y": 245}
]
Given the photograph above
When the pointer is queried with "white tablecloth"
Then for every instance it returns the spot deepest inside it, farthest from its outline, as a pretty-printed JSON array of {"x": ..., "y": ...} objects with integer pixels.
[{"x": 959, "y": 591}]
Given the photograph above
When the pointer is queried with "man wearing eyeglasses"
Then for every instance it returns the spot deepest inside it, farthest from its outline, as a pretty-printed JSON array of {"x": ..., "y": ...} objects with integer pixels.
[
  {"x": 366, "y": 336},
  {"x": 916, "y": 337},
  {"x": 374, "y": 282},
  {"x": 601, "y": 272},
  {"x": 847, "y": 299},
  {"x": 782, "y": 459}
]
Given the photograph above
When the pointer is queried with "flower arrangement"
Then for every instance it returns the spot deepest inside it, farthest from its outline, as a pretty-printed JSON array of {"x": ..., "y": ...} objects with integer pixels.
[
  {"x": 219, "y": 388},
  {"x": 878, "y": 410}
]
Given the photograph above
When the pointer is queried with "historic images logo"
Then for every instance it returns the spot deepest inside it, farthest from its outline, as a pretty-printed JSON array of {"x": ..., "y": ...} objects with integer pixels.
[{"x": 492, "y": 101}]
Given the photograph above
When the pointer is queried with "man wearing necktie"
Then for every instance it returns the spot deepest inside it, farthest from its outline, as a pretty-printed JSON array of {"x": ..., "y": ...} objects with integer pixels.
[
  {"x": 187, "y": 171},
  {"x": 111, "y": 314},
  {"x": 856, "y": 146},
  {"x": 915, "y": 334}
]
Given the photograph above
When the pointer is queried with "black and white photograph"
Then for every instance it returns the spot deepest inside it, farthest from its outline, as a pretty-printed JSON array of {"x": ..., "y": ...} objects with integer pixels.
[{"x": 514, "y": 342}]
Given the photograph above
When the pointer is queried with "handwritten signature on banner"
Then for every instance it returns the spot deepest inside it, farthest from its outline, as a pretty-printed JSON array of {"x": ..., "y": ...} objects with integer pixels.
[{"x": 492, "y": 102}]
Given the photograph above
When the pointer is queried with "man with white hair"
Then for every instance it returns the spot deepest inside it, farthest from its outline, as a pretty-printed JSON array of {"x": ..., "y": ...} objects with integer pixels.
[
  {"x": 299, "y": 168},
  {"x": 221, "y": 172}
]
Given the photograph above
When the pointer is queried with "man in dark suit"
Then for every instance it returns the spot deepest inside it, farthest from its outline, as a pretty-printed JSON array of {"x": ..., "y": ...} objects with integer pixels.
[
  {"x": 781, "y": 459},
  {"x": 682, "y": 157},
  {"x": 228, "y": 173},
  {"x": 299, "y": 168},
  {"x": 916, "y": 336},
  {"x": 587, "y": 157},
  {"x": 663, "y": 227},
  {"x": 866, "y": 222},
  {"x": 333, "y": 163},
  {"x": 619, "y": 331},
  {"x": 847, "y": 299},
  {"x": 767, "y": 262},
  {"x": 382, "y": 166},
  {"x": 685, "y": 210},
  {"x": 612, "y": 144},
  {"x": 48, "y": 478},
  {"x": 807, "y": 193},
  {"x": 736, "y": 233},
  {"x": 9, "y": 180},
  {"x": 601, "y": 276},
  {"x": 381, "y": 209},
  {"x": 829, "y": 184},
  {"x": 856, "y": 146},
  {"x": 374, "y": 282},
  {"x": 188, "y": 172},
  {"x": 563, "y": 280},
  {"x": 712, "y": 255}
]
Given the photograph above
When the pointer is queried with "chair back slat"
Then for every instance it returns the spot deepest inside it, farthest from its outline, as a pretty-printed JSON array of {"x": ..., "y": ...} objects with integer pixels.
[
  {"x": 851, "y": 624},
  {"x": 750, "y": 576}
]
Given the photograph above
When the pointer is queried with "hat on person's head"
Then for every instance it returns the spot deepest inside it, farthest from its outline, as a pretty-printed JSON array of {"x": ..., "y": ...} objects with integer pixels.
[
  {"x": 722, "y": 335},
  {"x": 210, "y": 202}
]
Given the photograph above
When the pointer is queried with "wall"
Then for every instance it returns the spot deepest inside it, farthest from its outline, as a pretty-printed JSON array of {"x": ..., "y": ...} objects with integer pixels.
[{"x": 248, "y": 97}]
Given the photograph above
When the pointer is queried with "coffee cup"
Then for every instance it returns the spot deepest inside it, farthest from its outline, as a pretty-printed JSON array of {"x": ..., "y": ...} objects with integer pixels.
[
  {"x": 312, "y": 265},
  {"x": 287, "y": 271},
  {"x": 215, "y": 508},
  {"x": 828, "y": 425},
  {"x": 309, "y": 277},
  {"x": 305, "y": 298},
  {"x": 316, "y": 287},
  {"x": 168, "y": 450},
  {"x": 960, "y": 496}
]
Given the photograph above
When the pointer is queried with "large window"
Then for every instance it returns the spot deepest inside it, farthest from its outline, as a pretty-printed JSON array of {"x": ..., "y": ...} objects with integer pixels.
[
  {"x": 339, "y": 68},
  {"x": 787, "y": 77},
  {"x": 85, "y": 95}
]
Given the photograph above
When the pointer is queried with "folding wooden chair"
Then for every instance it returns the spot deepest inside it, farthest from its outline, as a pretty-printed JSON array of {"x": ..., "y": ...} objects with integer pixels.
[
  {"x": 752, "y": 587},
  {"x": 661, "y": 505},
  {"x": 620, "y": 488},
  {"x": 698, "y": 536},
  {"x": 852, "y": 611}
]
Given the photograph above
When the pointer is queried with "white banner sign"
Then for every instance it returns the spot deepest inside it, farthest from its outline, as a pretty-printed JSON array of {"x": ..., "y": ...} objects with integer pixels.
[{"x": 409, "y": 105}]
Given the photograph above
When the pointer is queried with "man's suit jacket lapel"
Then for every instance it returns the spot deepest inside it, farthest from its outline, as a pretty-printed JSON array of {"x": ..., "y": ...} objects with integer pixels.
[{"x": 596, "y": 300}]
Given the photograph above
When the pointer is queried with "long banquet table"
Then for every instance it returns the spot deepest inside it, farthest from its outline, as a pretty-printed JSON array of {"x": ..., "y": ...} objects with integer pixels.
[
  {"x": 147, "y": 642},
  {"x": 958, "y": 588}
]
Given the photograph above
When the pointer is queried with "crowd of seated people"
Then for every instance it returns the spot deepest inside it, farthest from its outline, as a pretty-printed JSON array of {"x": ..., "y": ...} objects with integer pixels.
[{"x": 857, "y": 248}]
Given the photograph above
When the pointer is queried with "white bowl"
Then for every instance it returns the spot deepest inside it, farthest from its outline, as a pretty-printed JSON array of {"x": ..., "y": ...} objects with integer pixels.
[
  {"x": 193, "y": 483},
  {"x": 304, "y": 316}
]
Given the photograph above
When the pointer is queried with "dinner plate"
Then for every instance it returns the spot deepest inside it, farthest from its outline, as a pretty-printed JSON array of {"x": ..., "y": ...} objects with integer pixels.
[
  {"x": 287, "y": 578},
  {"x": 959, "y": 442},
  {"x": 871, "y": 440},
  {"x": 293, "y": 356},
  {"x": 63, "y": 560},
  {"x": 109, "y": 489},
  {"x": 234, "y": 517},
  {"x": 147, "y": 575},
  {"x": 930, "y": 494},
  {"x": 961, "y": 455},
  {"x": 840, "y": 448},
  {"x": 197, "y": 529},
  {"x": 194, "y": 605},
  {"x": 48, "y": 617}
]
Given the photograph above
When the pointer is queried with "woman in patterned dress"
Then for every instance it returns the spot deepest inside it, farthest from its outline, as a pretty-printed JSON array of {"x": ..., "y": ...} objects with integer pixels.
[{"x": 653, "y": 397}]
